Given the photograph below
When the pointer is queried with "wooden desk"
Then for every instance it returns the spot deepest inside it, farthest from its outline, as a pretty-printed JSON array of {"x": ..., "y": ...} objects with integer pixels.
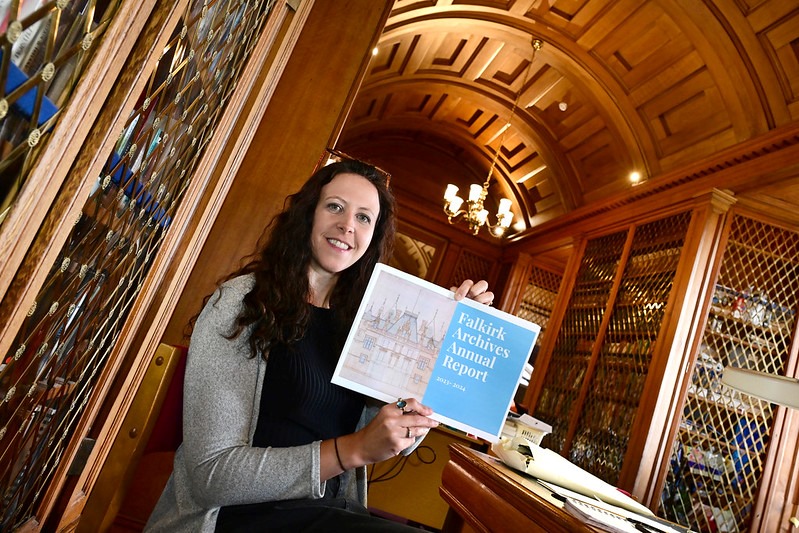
[{"x": 485, "y": 495}]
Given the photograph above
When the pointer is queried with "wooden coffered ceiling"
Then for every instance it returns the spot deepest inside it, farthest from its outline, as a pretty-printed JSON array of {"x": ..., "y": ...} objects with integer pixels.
[{"x": 619, "y": 86}]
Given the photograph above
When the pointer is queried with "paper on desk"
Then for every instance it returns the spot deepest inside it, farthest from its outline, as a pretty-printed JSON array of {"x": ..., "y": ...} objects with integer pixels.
[
  {"x": 653, "y": 522},
  {"x": 549, "y": 466}
]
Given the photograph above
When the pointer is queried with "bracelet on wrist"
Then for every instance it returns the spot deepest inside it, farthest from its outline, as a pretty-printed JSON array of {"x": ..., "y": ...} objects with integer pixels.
[{"x": 338, "y": 457}]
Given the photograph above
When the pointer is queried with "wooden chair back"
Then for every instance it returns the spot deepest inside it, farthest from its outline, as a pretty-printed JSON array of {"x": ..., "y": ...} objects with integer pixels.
[{"x": 140, "y": 460}]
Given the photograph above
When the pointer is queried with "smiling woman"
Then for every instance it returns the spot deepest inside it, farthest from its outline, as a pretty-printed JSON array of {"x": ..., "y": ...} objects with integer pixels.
[{"x": 268, "y": 439}]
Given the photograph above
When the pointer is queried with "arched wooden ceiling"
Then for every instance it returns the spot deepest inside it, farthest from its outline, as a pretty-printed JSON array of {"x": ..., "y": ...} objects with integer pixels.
[{"x": 619, "y": 86}]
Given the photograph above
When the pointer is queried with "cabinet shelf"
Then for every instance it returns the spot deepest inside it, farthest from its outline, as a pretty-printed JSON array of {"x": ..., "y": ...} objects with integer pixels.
[
  {"x": 790, "y": 263},
  {"x": 725, "y": 501},
  {"x": 652, "y": 304},
  {"x": 727, "y": 339},
  {"x": 630, "y": 277},
  {"x": 700, "y": 437},
  {"x": 727, "y": 316},
  {"x": 588, "y": 306},
  {"x": 716, "y": 399},
  {"x": 603, "y": 434},
  {"x": 615, "y": 361},
  {"x": 632, "y": 334},
  {"x": 581, "y": 356},
  {"x": 591, "y": 285},
  {"x": 560, "y": 389},
  {"x": 536, "y": 309},
  {"x": 58, "y": 390},
  {"x": 614, "y": 398}
]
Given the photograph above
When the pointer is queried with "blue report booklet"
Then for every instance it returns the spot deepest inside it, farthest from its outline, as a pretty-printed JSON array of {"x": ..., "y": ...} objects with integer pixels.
[{"x": 463, "y": 359}]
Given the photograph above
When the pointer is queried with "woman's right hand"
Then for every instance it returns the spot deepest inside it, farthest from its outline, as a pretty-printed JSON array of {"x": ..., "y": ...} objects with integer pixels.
[{"x": 391, "y": 431}]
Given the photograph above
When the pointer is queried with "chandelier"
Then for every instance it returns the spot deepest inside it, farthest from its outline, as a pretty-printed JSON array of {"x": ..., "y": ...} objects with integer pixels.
[{"x": 474, "y": 213}]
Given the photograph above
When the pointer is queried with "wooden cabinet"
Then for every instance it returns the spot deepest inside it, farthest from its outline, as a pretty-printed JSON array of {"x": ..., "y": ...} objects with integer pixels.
[
  {"x": 648, "y": 316},
  {"x": 619, "y": 368},
  {"x": 720, "y": 457},
  {"x": 69, "y": 346},
  {"x": 595, "y": 374}
]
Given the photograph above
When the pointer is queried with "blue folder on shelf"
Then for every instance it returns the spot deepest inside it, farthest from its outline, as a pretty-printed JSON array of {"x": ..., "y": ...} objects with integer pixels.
[{"x": 24, "y": 105}]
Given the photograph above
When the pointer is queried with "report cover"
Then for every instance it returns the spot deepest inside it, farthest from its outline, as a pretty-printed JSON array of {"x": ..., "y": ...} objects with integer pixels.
[{"x": 411, "y": 338}]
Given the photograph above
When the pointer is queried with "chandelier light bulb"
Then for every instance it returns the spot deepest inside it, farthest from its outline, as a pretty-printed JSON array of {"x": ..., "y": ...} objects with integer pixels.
[
  {"x": 475, "y": 191},
  {"x": 504, "y": 207},
  {"x": 455, "y": 204},
  {"x": 451, "y": 192}
]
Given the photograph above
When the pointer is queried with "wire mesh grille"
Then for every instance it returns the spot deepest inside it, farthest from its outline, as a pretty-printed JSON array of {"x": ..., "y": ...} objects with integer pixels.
[
  {"x": 615, "y": 389},
  {"x": 718, "y": 454},
  {"x": 44, "y": 49},
  {"x": 471, "y": 266},
  {"x": 539, "y": 297},
  {"x": 63, "y": 345},
  {"x": 579, "y": 329}
]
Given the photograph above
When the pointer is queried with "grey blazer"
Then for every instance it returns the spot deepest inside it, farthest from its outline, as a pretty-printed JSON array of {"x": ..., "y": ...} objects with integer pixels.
[{"x": 216, "y": 464}]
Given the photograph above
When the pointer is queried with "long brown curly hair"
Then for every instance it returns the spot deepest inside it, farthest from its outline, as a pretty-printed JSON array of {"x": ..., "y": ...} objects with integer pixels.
[{"x": 277, "y": 309}]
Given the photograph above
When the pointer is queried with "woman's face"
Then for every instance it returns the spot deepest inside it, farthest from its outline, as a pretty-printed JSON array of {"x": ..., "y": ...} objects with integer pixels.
[{"x": 344, "y": 222}]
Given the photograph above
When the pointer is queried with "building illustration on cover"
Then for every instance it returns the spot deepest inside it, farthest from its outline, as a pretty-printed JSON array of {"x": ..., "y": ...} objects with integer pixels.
[{"x": 398, "y": 339}]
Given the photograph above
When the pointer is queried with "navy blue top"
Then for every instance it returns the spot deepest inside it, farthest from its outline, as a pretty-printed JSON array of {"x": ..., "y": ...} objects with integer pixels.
[{"x": 299, "y": 404}]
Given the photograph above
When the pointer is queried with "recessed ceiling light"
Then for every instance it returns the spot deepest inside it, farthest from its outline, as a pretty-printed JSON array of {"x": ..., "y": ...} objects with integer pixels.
[
  {"x": 635, "y": 177},
  {"x": 374, "y": 51},
  {"x": 563, "y": 106}
]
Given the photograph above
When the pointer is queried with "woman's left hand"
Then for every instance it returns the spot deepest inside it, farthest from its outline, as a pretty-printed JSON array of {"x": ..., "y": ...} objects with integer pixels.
[{"x": 476, "y": 291}]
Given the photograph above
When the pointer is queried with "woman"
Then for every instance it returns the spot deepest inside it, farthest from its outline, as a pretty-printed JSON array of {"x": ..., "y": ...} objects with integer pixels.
[{"x": 269, "y": 442}]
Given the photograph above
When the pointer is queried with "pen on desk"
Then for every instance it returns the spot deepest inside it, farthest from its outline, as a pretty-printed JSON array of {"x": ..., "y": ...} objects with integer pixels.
[
  {"x": 640, "y": 526},
  {"x": 647, "y": 528}
]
